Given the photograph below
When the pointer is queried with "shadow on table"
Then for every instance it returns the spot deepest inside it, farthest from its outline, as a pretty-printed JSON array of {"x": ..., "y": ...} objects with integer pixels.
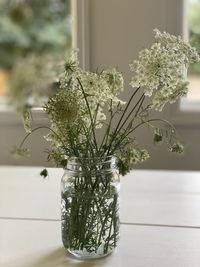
[{"x": 60, "y": 258}]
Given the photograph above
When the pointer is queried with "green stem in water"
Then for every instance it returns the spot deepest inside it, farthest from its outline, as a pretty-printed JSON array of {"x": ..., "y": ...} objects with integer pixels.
[{"x": 111, "y": 224}]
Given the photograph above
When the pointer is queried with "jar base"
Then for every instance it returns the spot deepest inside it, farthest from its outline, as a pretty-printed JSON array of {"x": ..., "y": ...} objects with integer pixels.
[{"x": 84, "y": 255}]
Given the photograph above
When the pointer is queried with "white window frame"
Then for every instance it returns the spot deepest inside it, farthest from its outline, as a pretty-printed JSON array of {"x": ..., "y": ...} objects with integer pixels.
[
  {"x": 81, "y": 30},
  {"x": 176, "y": 115}
]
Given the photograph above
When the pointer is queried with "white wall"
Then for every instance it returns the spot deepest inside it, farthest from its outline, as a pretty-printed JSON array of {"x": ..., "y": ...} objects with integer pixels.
[{"x": 117, "y": 30}]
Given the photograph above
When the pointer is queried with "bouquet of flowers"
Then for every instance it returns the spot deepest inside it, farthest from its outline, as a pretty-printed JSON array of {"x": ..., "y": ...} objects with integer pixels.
[{"x": 89, "y": 101}]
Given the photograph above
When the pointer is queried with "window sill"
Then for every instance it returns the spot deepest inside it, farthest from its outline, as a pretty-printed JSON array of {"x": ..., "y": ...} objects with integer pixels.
[
  {"x": 185, "y": 117},
  {"x": 187, "y": 105},
  {"x": 9, "y": 116}
]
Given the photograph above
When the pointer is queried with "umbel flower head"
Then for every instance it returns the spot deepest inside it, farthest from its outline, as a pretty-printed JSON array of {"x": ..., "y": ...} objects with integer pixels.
[
  {"x": 64, "y": 106},
  {"x": 160, "y": 70},
  {"x": 89, "y": 100}
]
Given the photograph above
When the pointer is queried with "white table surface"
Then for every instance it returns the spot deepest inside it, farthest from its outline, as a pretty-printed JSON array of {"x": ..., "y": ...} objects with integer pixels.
[{"x": 160, "y": 220}]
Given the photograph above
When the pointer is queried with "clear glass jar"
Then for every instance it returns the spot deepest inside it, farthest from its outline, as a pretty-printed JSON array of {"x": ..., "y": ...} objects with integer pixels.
[{"x": 90, "y": 207}]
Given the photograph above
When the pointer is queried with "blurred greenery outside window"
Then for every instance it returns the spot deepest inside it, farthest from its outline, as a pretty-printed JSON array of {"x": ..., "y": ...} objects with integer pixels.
[
  {"x": 35, "y": 36},
  {"x": 192, "y": 101}
]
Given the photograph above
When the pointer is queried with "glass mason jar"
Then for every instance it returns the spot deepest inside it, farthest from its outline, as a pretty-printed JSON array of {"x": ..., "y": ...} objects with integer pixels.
[{"x": 90, "y": 207}]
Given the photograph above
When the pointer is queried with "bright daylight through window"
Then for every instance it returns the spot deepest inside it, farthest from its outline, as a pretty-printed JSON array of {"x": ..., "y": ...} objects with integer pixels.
[
  {"x": 192, "y": 101},
  {"x": 34, "y": 34}
]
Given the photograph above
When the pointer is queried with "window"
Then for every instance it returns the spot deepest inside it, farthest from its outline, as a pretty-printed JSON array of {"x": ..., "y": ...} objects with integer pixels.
[
  {"x": 192, "y": 33},
  {"x": 34, "y": 35}
]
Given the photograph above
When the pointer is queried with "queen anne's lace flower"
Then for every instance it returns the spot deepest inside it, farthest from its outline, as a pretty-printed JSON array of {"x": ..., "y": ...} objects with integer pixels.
[
  {"x": 114, "y": 80},
  {"x": 166, "y": 95},
  {"x": 100, "y": 90},
  {"x": 161, "y": 69},
  {"x": 65, "y": 106},
  {"x": 71, "y": 63},
  {"x": 19, "y": 152},
  {"x": 95, "y": 87},
  {"x": 176, "y": 44}
]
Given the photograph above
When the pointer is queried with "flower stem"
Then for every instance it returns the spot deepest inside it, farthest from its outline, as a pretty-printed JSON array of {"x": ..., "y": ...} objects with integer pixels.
[
  {"x": 140, "y": 124},
  {"x": 123, "y": 114},
  {"x": 90, "y": 114},
  {"x": 118, "y": 128},
  {"x": 41, "y": 127},
  {"x": 140, "y": 102}
]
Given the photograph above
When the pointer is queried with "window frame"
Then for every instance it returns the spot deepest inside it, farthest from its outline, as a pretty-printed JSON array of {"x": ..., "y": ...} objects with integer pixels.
[
  {"x": 81, "y": 31},
  {"x": 174, "y": 112}
]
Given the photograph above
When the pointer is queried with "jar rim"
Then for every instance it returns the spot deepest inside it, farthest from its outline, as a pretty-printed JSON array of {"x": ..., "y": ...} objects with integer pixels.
[
  {"x": 103, "y": 157},
  {"x": 75, "y": 162}
]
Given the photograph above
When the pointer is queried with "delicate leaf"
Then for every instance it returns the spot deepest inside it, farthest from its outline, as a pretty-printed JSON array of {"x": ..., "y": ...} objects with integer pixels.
[
  {"x": 27, "y": 119},
  {"x": 158, "y": 136},
  {"x": 44, "y": 173},
  {"x": 177, "y": 148}
]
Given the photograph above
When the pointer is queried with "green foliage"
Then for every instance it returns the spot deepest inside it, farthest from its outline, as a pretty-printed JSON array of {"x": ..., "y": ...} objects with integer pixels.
[
  {"x": 32, "y": 81},
  {"x": 194, "y": 32},
  {"x": 194, "y": 18},
  {"x": 33, "y": 26},
  {"x": 34, "y": 35}
]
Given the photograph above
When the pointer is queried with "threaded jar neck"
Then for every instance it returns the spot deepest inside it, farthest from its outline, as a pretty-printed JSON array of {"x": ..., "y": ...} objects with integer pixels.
[{"x": 96, "y": 164}]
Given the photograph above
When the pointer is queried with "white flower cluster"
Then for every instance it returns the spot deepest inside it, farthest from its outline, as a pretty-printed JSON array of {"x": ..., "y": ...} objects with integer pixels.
[
  {"x": 114, "y": 80},
  {"x": 161, "y": 69},
  {"x": 164, "y": 96},
  {"x": 186, "y": 52},
  {"x": 99, "y": 89}
]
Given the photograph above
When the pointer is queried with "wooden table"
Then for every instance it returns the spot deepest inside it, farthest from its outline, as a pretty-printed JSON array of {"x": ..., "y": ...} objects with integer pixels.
[{"x": 160, "y": 220}]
